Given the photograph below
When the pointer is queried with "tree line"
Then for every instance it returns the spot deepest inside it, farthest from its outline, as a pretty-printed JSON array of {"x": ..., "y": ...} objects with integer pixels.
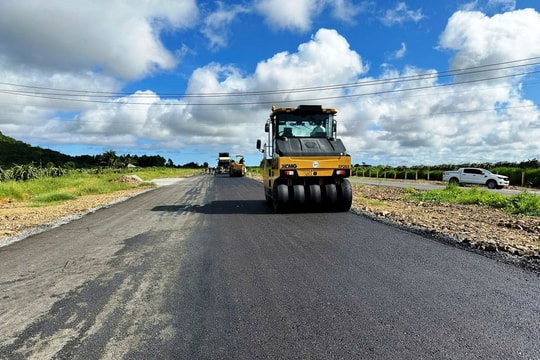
[{"x": 15, "y": 153}]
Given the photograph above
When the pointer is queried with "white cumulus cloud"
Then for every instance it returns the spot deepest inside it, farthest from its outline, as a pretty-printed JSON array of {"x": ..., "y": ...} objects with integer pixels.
[
  {"x": 115, "y": 37},
  {"x": 401, "y": 14},
  {"x": 292, "y": 15},
  {"x": 478, "y": 39}
]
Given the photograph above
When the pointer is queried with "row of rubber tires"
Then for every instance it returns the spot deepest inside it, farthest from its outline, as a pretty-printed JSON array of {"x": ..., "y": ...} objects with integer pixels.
[{"x": 328, "y": 197}]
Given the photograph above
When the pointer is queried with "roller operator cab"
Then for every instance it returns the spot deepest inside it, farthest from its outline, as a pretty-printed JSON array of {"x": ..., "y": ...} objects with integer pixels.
[{"x": 305, "y": 165}]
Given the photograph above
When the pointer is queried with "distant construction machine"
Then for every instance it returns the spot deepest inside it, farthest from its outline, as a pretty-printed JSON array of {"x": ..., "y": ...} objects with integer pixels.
[
  {"x": 305, "y": 165},
  {"x": 224, "y": 162},
  {"x": 237, "y": 166}
]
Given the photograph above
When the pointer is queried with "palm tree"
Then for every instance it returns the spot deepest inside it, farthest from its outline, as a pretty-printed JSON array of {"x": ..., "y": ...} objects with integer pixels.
[{"x": 109, "y": 159}]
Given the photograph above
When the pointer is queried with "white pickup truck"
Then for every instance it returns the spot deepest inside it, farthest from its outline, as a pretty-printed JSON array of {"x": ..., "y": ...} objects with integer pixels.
[{"x": 476, "y": 176}]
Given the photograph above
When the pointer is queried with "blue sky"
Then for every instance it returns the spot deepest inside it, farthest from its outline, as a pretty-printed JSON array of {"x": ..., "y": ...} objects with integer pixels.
[{"x": 188, "y": 79}]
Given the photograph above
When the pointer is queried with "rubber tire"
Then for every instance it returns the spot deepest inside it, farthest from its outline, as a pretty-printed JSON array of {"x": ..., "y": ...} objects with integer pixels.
[
  {"x": 280, "y": 197},
  {"x": 299, "y": 195},
  {"x": 454, "y": 181},
  {"x": 491, "y": 184},
  {"x": 315, "y": 197},
  {"x": 344, "y": 195},
  {"x": 330, "y": 196}
]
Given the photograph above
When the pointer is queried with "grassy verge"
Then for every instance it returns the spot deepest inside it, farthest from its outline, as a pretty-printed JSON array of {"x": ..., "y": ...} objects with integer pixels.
[
  {"x": 523, "y": 203},
  {"x": 162, "y": 172},
  {"x": 53, "y": 190}
]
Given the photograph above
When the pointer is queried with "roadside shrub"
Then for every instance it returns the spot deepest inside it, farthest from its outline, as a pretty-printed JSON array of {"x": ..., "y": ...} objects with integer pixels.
[
  {"x": 529, "y": 177},
  {"x": 29, "y": 172},
  {"x": 524, "y": 203},
  {"x": 410, "y": 190},
  {"x": 448, "y": 194},
  {"x": 254, "y": 170},
  {"x": 475, "y": 196},
  {"x": 25, "y": 172},
  {"x": 532, "y": 178}
]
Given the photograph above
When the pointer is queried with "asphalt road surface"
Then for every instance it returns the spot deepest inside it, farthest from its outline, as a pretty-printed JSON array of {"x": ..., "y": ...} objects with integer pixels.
[{"x": 202, "y": 269}]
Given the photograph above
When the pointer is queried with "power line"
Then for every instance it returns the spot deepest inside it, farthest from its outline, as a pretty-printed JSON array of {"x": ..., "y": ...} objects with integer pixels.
[
  {"x": 99, "y": 97},
  {"x": 512, "y": 64}
]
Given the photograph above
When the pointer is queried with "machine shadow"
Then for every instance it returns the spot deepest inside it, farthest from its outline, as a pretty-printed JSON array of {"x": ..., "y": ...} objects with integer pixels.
[{"x": 220, "y": 207}]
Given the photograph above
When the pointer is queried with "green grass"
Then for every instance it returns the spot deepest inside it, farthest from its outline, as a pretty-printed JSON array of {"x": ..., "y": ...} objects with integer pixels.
[
  {"x": 162, "y": 172},
  {"x": 523, "y": 203},
  {"x": 52, "y": 198},
  {"x": 13, "y": 190},
  {"x": 52, "y": 190}
]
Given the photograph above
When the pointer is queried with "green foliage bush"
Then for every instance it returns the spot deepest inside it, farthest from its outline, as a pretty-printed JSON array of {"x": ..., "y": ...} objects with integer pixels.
[
  {"x": 524, "y": 203},
  {"x": 29, "y": 172}
]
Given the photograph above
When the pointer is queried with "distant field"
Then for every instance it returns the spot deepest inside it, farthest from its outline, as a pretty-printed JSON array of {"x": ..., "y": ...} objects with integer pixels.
[{"x": 48, "y": 190}]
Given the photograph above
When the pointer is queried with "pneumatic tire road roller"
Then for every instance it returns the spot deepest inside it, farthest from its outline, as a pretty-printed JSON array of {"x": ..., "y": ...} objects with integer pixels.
[{"x": 305, "y": 166}]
